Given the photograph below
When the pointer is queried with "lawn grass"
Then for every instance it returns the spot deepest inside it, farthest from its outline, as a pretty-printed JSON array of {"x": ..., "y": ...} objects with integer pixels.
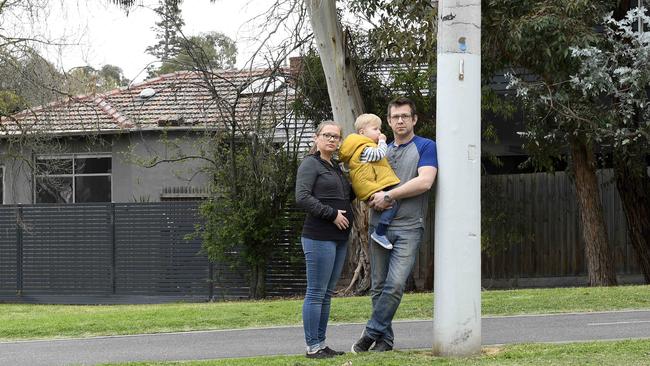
[
  {"x": 20, "y": 321},
  {"x": 563, "y": 300},
  {"x": 628, "y": 352}
]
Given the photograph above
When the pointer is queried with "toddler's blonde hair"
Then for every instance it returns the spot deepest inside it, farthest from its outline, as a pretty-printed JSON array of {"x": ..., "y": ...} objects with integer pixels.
[{"x": 366, "y": 120}]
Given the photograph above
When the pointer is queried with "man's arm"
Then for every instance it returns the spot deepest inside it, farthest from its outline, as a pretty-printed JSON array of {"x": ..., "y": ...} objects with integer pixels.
[{"x": 418, "y": 185}]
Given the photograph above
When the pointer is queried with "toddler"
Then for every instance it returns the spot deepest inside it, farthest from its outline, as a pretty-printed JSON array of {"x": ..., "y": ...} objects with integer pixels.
[{"x": 364, "y": 153}]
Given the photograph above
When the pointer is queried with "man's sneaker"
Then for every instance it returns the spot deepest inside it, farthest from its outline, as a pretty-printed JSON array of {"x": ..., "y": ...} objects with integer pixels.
[
  {"x": 381, "y": 240},
  {"x": 363, "y": 344},
  {"x": 381, "y": 346},
  {"x": 321, "y": 353},
  {"x": 332, "y": 352}
]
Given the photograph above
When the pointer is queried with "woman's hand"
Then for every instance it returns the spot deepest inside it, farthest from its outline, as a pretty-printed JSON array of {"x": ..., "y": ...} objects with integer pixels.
[{"x": 341, "y": 221}]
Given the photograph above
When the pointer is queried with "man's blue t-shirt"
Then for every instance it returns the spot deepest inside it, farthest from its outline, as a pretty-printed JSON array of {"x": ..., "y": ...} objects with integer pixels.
[{"x": 405, "y": 160}]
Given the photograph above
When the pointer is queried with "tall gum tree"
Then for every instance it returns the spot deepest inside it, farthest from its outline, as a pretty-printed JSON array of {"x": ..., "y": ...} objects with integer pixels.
[
  {"x": 253, "y": 169},
  {"x": 536, "y": 36},
  {"x": 347, "y": 104},
  {"x": 630, "y": 164},
  {"x": 614, "y": 76}
]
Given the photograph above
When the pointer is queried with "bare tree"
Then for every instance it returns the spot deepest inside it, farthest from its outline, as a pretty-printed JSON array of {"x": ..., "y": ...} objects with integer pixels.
[
  {"x": 250, "y": 146},
  {"x": 288, "y": 16},
  {"x": 27, "y": 80},
  {"x": 347, "y": 104}
]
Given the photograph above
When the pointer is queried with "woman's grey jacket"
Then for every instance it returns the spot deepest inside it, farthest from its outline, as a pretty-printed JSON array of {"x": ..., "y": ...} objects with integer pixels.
[{"x": 322, "y": 190}]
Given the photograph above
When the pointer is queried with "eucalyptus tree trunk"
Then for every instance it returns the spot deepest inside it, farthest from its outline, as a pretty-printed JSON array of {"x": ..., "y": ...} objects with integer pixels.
[
  {"x": 633, "y": 184},
  {"x": 347, "y": 104},
  {"x": 257, "y": 281},
  {"x": 600, "y": 269},
  {"x": 339, "y": 71}
]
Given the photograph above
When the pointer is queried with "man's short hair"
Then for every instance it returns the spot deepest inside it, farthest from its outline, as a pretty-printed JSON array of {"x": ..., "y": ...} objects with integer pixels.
[
  {"x": 365, "y": 120},
  {"x": 400, "y": 101}
]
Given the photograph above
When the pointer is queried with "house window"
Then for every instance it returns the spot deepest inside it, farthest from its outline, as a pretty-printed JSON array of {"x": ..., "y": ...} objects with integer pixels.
[{"x": 73, "y": 179}]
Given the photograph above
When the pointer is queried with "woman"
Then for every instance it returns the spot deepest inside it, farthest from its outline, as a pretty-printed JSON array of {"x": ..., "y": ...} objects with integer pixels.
[{"x": 325, "y": 194}]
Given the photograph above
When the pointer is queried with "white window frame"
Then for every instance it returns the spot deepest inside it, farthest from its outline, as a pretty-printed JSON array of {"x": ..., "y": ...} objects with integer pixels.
[{"x": 73, "y": 175}]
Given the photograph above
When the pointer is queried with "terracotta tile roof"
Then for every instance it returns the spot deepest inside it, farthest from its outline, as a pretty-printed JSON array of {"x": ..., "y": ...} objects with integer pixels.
[{"x": 180, "y": 100}]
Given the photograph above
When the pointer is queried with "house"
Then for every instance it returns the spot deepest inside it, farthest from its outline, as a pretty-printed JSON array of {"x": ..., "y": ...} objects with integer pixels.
[{"x": 141, "y": 143}]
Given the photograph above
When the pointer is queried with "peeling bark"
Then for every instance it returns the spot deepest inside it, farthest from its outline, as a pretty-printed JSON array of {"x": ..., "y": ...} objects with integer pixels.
[{"x": 359, "y": 256}]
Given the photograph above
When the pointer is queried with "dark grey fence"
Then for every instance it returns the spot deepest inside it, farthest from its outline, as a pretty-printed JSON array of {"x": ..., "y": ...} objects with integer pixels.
[
  {"x": 535, "y": 239},
  {"x": 549, "y": 249},
  {"x": 127, "y": 252}
]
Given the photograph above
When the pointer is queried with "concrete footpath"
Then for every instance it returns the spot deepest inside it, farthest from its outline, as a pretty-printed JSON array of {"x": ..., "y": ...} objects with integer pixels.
[{"x": 289, "y": 340}]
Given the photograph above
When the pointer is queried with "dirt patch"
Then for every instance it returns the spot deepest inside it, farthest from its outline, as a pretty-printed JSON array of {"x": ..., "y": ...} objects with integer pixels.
[{"x": 491, "y": 351}]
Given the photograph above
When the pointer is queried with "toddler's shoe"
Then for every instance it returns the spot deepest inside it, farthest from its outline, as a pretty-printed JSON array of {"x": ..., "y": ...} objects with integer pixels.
[{"x": 381, "y": 240}]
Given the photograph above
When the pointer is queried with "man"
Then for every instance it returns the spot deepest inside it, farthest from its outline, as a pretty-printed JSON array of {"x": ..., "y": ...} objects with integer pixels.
[{"x": 414, "y": 160}]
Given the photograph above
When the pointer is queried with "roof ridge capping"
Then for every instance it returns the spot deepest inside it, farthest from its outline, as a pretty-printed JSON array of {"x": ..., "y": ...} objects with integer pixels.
[
  {"x": 108, "y": 108},
  {"x": 252, "y": 72},
  {"x": 158, "y": 78}
]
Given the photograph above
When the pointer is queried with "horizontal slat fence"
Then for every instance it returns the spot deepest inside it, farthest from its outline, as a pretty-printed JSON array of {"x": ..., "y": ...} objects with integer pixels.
[
  {"x": 8, "y": 250},
  {"x": 286, "y": 274},
  {"x": 66, "y": 249},
  {"x": 152, "y": 255},
  {"x": 125, "y": 252}
]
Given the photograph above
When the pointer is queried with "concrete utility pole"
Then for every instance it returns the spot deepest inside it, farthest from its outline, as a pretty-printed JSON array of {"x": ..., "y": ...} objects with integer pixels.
[{"x": 457, "y": 284}]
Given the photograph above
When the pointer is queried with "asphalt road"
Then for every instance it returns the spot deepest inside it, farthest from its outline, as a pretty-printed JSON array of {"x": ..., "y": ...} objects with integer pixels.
[{"x": 289, "y": 340}]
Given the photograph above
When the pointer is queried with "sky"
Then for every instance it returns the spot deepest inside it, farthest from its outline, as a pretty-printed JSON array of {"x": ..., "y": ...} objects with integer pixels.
[{"x": 99, "y": 33}]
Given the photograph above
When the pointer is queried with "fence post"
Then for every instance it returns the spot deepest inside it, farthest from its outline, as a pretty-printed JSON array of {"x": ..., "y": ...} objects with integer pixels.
[
  {"x": 113, "y": 248},
  {"x": 210, "y": 280},
  {"x": 19, "y": 251}
]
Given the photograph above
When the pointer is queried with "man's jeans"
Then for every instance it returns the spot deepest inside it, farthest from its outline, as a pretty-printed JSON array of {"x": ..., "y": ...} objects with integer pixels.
[
  {"x": 324, "y": 261},
  {"x": 390, "y": 270}
]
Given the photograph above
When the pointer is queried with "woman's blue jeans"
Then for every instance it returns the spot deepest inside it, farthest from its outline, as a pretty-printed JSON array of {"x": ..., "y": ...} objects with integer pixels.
[{"x": 324, "y": 261}]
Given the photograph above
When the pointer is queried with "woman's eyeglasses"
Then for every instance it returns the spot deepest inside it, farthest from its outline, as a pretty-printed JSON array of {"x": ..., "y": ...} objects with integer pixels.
[{"x": 330, "y": 137}]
